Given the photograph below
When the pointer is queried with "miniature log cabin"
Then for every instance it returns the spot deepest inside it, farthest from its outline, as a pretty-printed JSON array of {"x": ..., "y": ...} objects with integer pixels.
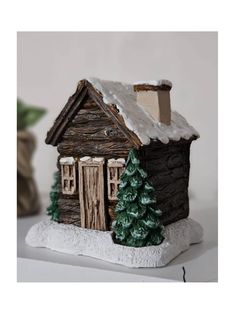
[{"x": 94, "y": 132}]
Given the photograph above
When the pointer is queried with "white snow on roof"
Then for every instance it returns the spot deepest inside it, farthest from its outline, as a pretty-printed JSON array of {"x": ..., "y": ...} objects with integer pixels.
[
  {"x": 137, "y": 119},
  {"x": 154, "y": 83}
]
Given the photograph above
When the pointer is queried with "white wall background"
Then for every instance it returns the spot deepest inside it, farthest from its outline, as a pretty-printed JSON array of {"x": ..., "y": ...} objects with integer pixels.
[{"x": 51, "y": 64}]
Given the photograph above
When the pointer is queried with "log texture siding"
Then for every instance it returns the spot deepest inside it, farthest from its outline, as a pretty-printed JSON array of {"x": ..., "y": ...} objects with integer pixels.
[
  {"x": 93, "y": 133},
  {"x": 168, "y": 167},
  {"x": 90, "y": 133}
]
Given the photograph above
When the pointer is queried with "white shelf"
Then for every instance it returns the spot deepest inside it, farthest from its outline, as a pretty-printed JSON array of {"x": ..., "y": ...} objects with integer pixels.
[{"x": 40, "y": 264}]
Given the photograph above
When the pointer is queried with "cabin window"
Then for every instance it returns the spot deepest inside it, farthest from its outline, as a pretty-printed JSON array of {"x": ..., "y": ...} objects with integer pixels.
[
  {"x": 115, "y": 169},
  {"x": 68, "y": 175}
]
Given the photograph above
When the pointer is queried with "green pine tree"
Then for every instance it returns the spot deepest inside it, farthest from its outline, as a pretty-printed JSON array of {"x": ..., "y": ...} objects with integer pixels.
[
  {"x": 137, "y": 222},
  {"x": 53, "y": 209}
]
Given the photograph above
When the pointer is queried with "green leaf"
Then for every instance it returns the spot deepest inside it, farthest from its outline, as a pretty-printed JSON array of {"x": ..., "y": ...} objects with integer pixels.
[
  {"x": 142, "y": 173},
  {"x": 134, "y": 242},
  {"x": 150, "y": 221},
  {"x": 139, "y": 232},
  {"x": 155, "y": 211},
  {"x": 120, "y": 206},
  {"x": 129, "y": 194},
  {"x": 53, "y": 209},
  {"x": 124, "y": 220},
  {"x": 123, "y": 184},
  {"x": 132, "y": 156},
  {"x": 49, "y": 210},
  {"x": 155, "y": 238},
  {"x": 27, "y": 115},
  {"x": 121, "y": 234},
  {"x": 120, "y": 194},
  {"x": 114, "y": 225},
  {"x": 33, "y": 115},
  {"x": 123, "y": 181},
  {"x": 131, "y": 169},
  {"x": 136, "y": 210},
  {"x": 136, "y": 182},
  {"x": 145, "y": 199},
  {"x": 55, "y": 216},
  {"x": 148, "y": 187}
]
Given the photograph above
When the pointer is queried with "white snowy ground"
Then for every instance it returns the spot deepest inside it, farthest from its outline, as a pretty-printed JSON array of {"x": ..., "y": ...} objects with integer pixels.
[{"x": 99, "y": 244}]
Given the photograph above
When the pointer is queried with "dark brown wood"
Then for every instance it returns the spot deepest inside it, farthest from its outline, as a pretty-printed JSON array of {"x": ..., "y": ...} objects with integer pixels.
[
  {"x": 111, "y": 212},
  {"x": 149, "y": 87},
  {"x": 65, "y": 204},
  {"x": 69, "y": 209},
  {"x": 73, "y": 106},
  {"x": 168, "y": 167},
  {"x": 99, "y": 133},
  {"x": 69, "y": 196},
  {"x": 94, "y": 116},
  {"x": 68, "y": 112},
  {"x": 96, "y": 137},
  {"x": 113, "y": 113},
  {"x": 70, "y": 217},
  {"x": 102, "y": 149},
  {"x": 168, "y": 170}
]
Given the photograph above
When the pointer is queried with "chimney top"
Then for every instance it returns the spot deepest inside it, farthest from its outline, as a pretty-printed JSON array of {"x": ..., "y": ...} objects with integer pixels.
[
  {"x": 152, "y": 85},
  {"x": 154, "y": 97}
]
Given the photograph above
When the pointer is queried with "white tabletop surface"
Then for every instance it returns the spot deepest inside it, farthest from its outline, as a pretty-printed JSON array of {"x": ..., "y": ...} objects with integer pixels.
[{"x": 43, "y": 265}]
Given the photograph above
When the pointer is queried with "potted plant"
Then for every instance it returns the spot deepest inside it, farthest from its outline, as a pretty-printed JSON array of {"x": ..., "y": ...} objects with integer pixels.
[{"x": 27, "y": 194}]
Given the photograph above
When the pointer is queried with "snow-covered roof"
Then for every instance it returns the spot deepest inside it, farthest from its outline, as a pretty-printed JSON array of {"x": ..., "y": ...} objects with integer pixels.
[
  {"x": 154, "y": 83},
  {"x": 137, "y": 119}
]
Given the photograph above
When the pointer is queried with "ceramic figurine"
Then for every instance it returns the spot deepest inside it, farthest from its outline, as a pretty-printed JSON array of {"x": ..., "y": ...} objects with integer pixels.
[{"x": 123, "y": 175}]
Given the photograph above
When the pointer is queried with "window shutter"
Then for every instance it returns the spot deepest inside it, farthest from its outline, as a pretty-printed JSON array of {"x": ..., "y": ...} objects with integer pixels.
[
  {"x": 68, "y": 175},
  {"x": 115, "y": 169}
]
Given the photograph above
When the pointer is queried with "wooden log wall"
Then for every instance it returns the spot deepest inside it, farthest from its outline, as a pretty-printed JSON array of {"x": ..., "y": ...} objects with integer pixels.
[
  {"x": 91, "y": 133},
  {"x": 168, "y": 170},
  {"x": 69, "y": 206}
]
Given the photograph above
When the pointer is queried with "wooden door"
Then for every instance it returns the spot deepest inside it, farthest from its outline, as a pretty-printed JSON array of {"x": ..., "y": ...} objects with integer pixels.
[{"x": 91, "y": 193}]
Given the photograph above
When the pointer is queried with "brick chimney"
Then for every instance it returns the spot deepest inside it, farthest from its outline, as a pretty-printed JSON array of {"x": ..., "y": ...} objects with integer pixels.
[{"x": 154, "y": 97}]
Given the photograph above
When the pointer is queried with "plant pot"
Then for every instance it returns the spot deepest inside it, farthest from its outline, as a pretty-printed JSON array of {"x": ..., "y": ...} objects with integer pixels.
[{"x": 27, "y": 194}]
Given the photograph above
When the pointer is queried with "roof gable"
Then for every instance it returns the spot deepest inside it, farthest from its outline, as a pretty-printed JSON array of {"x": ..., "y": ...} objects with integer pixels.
[
  {"x": 73, "y": 106},
  {"x": 118, "y": 101}
]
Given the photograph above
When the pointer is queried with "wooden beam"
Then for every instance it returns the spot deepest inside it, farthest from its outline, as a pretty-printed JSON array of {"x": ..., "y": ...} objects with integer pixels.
[{"x": 66, "y": 115}]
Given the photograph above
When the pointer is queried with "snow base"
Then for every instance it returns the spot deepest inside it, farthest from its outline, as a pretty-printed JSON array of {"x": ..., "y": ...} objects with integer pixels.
[{"x": 99, "y": 244}]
